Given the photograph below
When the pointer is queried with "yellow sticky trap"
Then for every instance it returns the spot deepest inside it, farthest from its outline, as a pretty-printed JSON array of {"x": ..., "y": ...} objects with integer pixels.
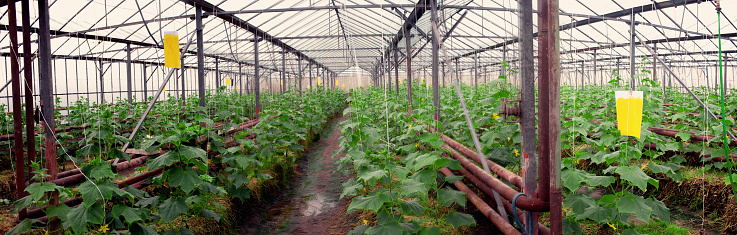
[
  {"x": 629, "y": 112},
  {"x": 318, "y": 81},
  {"x": 343, "y": 85},
  {"x": 227, "y": 81},
  {"x": 171, "y": 49},
  {"x": 281, "y": 83},
  {"x": 336, "y": 82}
]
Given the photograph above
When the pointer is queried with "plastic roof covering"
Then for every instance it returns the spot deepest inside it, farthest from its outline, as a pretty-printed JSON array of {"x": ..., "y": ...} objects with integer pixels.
[{"x": 361, "y": 35}]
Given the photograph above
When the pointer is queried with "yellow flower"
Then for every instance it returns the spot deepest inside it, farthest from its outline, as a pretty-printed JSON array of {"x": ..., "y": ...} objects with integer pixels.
[
  {"x": 46, "y": 232},
  {"x": 516, "y": 153},
  {"x": 643, "y": 166},
  {"x": 610, "y": 225},
  {"x": 417, "y": 145},
  {"x": 103, "y": 229},
  {"x": 423, "y": 99},
  {"x": 365, "y": 222},
  {"x": 410, "y": 126},
  {"x": 495, "y": 116},
  {"x": 509, "y": 139},
  {"x": 578, "y": 161}
]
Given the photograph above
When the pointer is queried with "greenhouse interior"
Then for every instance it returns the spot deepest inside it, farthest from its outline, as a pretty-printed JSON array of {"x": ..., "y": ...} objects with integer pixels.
[{"x": 400, "y": 117}]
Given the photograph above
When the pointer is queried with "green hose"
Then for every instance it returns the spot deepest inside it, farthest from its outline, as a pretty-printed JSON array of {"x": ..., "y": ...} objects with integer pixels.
[{"x": 724, "y": 114}]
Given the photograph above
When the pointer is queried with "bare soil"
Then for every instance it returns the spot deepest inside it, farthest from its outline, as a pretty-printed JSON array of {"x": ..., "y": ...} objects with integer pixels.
[{"x": 310, "y": 203}]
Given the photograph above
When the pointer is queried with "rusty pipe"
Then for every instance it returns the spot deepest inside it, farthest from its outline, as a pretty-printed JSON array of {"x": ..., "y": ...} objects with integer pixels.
[
  {"x": 488, "y": 191},
  {"x": 495, "y": 218},
  {"x": 525, "y": 203},
  {"x": 503, "y": 172}
]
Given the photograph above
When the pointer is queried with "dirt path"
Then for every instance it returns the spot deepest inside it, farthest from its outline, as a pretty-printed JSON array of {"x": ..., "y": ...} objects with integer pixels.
[{"x": 310, "y": 204}]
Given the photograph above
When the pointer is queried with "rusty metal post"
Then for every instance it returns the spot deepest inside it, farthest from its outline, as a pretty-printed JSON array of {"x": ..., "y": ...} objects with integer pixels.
[
  {"x": 549, "y": 117},
  {"x": 527, "y": 104},
  {"x": 46, "y": 85},
  {"x": 20, "y": 183},
  {"x": 408, "y": 47},
  {"x": 435, "y": 60},
  {"x": 396, "y": 70},
  {"x": 28, "y": 75}
]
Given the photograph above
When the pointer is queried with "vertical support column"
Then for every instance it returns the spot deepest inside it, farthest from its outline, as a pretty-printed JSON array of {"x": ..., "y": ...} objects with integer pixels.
[
  {"x": 632, "y": 51},
  {"x": 28, "y": 75},
  {"x": 504, "y": 68},
  {"x": 200, "y": 56},
  {"x": 102, "y": 83},
  {"x": 583, "y": 74},
  {"x": 217, "y": 73},
  {"x": 299, "y": 78},
  {"x": 283, "y": 82},
  {"x": 20, "y": 181},
  {"x": 184, "y": 90},
  {"x": 240, "y": 78},
  {"x": 257, "y": 76},
  {"x": 145, "y": 79},
  {"x": 310, "y": 74},
  {"x": 396, "y": 70},
  {"x": 618, "y": 72},
  {"x": 527, "y": 104},
  {"x": 435, "y": 60},
  {"x": 476, "y": 73},
  {"x": 129, "y": 74},
  {"x": 408, "y": 47},
  {"x": 549, "y": 106},
  {"x": 46, "y": 85},
  {"x": 443, "y": 74},
  {"x": 601, "y": 82}
]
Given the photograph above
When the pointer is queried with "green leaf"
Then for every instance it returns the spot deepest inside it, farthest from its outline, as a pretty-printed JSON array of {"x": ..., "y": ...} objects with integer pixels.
[
  {"x": 39, "y": 189},
  {"x": 350, "y": 188},
  {"x": 413, "y": 207},
  {"x": 23, "y": 226},
  {"x": 372, "y": 203},
  {"x": 570, "y": 226},
  {"x": 185, "y": 179},
  {"x": 211, "y": 214},
  {"x": 149, "y": 201},
  {"x": 80, "y": 216},
  {"x": 116, "y": 153},
  {"x": 130, "y": 214},
  {"x": 631, "y": 203},
  {"x": 634, "y": 175},
  {"x": 191, "y": 153},
  {"x": 102, "y": 171},
  {"x": 60, "y": 211},
  {"x": 359, "y": 230},
  {"x": 631, "y": 232},
  {"x": 92, "y": 148},
  {"x": 92, "y": 193},
  {"x": 596, "y": 213},
  {"x": 459, "y": 219},
  {"x": 684, "y": 135},
  {"x": 659, "y": 209},
  {"x": 138, "y": 229},
  {"x": 164, "y": 160},
  {"x": 172, "y": 208},
  {"x": 372, "y": 176},
  {"x": 669, "y": 169},
  {"x": 605, "y": 181},
  {"x": 727, "y": 180},
  {"x": 572, "y": 178},
  {"x": 453, "y": 178},
  {"x": 579, "y": 202},
  {"x": 411, "y": 186},
  {"x": 391, "y": 228},
  {"x": 242, "y": 193},
  {"x": 448, "y": 196}
]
